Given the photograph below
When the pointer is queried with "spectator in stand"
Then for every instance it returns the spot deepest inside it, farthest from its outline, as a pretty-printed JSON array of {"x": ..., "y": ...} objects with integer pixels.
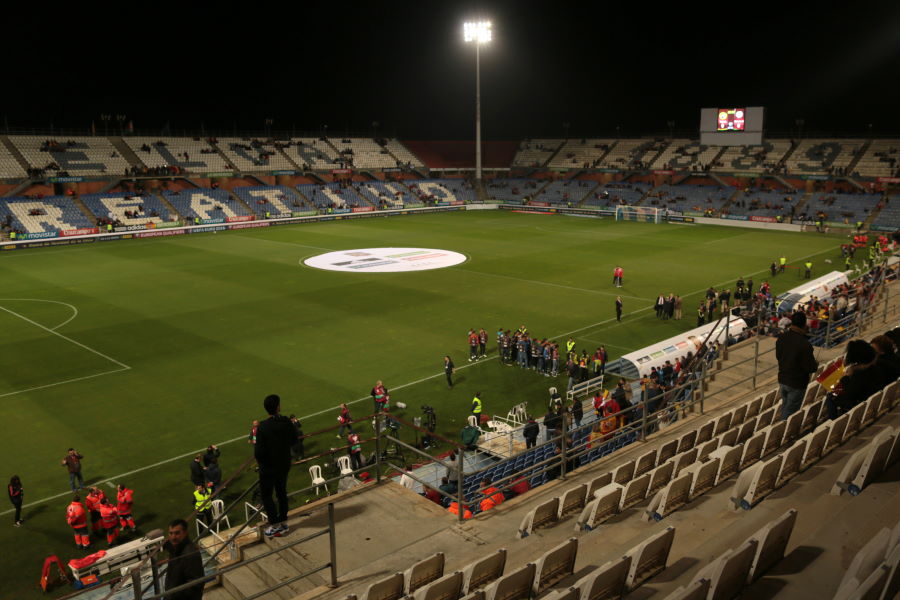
[
  {"x": 517, "y": 487},
  {"x": 274, "y": 439},
  {"x": 530, "y": 433},
  {"x": 185, "y": 563},
  {"x": 795, "y": 364},
  {"x": 887, "y": 361},
  {"x": 861, "y": 379}
]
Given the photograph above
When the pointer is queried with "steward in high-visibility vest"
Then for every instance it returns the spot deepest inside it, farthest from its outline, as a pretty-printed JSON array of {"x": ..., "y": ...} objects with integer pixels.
[
  {"x": 110, "y": 519},
  {"x": 808, "y": 266},
  {"x": 124, "y": 500},
  {"x": 76, "y": 517},
  {"x": 570, "y": 346},
  {"x": 12, "y": 235},
  {"x": 202, "y": 504},
  {"x": 454, "y": 509},
  {"x": 781, "y": 263},
  {"x": 476, "y": 404}
]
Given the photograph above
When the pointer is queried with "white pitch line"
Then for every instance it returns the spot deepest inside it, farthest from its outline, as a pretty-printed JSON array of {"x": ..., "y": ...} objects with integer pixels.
[
  {"x": 405, "y": 385},
  {"x": 50, "y": 385},
  {"x": 74, "y": 310},
  {"x": 68, "y": 339},
  {"x": 567, "y": 287}
]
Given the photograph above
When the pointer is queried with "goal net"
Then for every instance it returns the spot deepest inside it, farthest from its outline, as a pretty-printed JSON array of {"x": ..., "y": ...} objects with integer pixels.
[{"x": 644, "y": 214}]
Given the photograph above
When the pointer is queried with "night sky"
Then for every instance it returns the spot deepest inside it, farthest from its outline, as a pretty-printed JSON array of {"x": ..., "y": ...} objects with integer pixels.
[{"x": 597, "y": 66}]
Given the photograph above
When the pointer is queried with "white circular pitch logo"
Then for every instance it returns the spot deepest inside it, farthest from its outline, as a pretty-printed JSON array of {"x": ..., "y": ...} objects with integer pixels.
[{"x": 385, "y": 260}]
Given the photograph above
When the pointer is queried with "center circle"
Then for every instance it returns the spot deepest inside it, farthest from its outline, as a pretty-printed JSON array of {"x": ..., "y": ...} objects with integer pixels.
[{"x": 385, "y": 260}]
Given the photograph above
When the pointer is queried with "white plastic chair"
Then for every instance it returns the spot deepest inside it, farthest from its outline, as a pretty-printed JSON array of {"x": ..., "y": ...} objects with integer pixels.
[
  {"x": 315, "y": 473},
  {"x": 344, "y": 465},
  {"x": 218, "y": 510}
]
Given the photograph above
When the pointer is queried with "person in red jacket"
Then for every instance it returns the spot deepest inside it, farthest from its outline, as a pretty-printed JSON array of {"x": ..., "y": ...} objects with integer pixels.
[
  {"x": 124, "y": 500},
  {"x": 110, "y": 519},
  {"x": 491, "y": 492},
  {"x": 92, "y": 504},
  {"x": 380, "y": 396},
  {"x": 76, "y": 517},
  {"x": 454, "y": 509},
  {"x": 473, "y": 345}
]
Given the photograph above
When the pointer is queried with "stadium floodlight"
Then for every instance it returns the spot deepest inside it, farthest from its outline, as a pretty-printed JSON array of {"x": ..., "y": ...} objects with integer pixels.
[{"x": 480, "y": 33}]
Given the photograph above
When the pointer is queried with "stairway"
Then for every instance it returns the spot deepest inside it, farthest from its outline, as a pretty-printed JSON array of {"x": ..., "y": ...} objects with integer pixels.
[
  {"x": 127, "y": 153},
  {"x": 802, "y": 203},
  {"x": 84, "y": 209},
  {"x": 852, "y": 164},
  {"x": 231, "y": 165},
  {"x": 15, "y": 152},
  {"x": 168, "y": 205}
]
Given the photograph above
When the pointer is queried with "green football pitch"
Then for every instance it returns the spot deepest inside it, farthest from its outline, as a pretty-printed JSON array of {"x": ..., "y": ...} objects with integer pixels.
[{"x": 140, "y": 353}]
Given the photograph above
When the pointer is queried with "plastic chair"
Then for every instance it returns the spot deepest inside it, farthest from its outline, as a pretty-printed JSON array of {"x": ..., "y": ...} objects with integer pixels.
[
  {"x": 218, "y": 510},
  {"x": 344, "y": 465},
  {"x": 315, "y": 473}
]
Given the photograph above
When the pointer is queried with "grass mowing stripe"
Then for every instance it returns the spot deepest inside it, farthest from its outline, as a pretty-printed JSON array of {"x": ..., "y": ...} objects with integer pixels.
[
  {"x": 559, "y": 285},
  {"x": 50, "y": 385}
]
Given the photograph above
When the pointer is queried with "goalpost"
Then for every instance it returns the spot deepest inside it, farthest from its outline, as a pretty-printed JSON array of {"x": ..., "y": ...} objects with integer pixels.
[{"x": 644, "y": 214}]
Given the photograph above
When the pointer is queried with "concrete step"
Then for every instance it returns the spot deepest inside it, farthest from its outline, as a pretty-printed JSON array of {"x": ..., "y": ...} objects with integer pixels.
[
  {"x": 280, "y": 567},
  {"x": 243, "y": 582},
  {"x": 217, "y": 593}
]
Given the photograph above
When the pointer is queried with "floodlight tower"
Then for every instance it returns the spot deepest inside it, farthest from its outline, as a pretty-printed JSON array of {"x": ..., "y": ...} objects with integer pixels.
[{"x": 480, "y": 33}]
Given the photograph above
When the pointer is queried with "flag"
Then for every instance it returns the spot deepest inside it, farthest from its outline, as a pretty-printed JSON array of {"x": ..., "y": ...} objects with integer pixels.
[{"x": 832, "y": 374}]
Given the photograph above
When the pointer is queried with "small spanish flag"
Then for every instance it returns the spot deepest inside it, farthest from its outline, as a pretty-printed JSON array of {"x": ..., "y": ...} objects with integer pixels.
[{"x": 832, "y": 374}]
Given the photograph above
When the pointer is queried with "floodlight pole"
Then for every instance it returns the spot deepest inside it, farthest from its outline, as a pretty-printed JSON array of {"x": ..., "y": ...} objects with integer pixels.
[{"x": 478, "y": 111}]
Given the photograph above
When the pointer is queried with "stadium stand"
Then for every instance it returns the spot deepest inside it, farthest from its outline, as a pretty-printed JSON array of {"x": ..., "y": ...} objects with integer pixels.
[
  {"x": 252, "y": 154},
  {"x": 331, "y": 195},
  {"x": 696, "y": 198},
  {"x": 191, "y": 155},
  {"x": 579, "y": 154},
  {"x": 45, "y": 215},
  {"x": 391, "y": 195},
  {"x": 848, "y": 208},
  {"x": 880, "y": 159},
  {"x": 683, "y": 154},
  {"x": 275, "y": 200},
  {"x": 9, "y": 164},
  {"x": 442, "y": 190},
  {"x": 632, "y": 154},
  {"x": 513, "y": 190},
  {"x": 72, "y": 155},
  {"x": 206, "y": 204},
  {"x": 402, "y": 153},
  {"x": 127, "y": 209},
  {"x": 611, "y": 194},
  {"x": 565, "y": 191},
  {"x": 769, "y": 203},
  {"x": 535, "y": 153},
  {"x": 363, "y": 153},
  {"x": 817, "y": 156},
  {"x": 753, "y": 159},
  {"x": 313, "y": 153}
]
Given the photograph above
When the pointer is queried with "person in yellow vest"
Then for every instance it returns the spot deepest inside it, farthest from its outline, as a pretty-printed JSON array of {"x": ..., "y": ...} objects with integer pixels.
[
  {"x": 808, "y": 266},
  {"x": 781, "y": 263},
  {"x": 202, "y": 504},
  {"x": 476, "y": 405},
  {"x": 109, "y": 228},
  {"x": 570, "y": 346},
  {"x": 12, "y": 235}
]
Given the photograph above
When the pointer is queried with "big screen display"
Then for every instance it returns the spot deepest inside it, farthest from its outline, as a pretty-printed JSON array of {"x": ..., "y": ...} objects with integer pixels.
[{"x": 731, "y": 119}]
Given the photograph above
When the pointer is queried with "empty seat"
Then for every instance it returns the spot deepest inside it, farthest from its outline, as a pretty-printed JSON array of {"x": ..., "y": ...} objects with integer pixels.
[
  {"x": 723, "y": 424},
  {"x": 738, "y": 415},
  {"x": 686, "y": 441},
  {"x": 706, "y": 432},
  {"x": 666, "y": 451},
  {"x": 635, "y": 491},
  {"x": 707, "y": 448},
  {"x": 704, "y": 476},
  {"x": 772, "y": 541},
  {"x": 448, "y": 587},
  {"x": 541, "y": 515},
  {"x": 729, "y": 438},
  {"x": 669, "y": 499},
  {"x": 484, "y": 570},
  {"x": 513, "y": 586},
  {"x": 572, "y": 499},
  {"x": 597, "y": 483},
  {"x": 389, "y": 588},
  {"x": 660, "y": 476},
  {"x": 605, "y": 582},
  {"x": 649, "y": 557},
  {"x": 854, "y": 421},
  {"x": 792, "y": 459},
  {"x": 774, "y": 437},
  {"x": 836, "y": 434},
  {"x": 623, "y": 473},
  {"x": 765, "y": 419},
  {"x": 684, "y": 460},
  {"x": 752, "y": 450},
  {"x": 755, "y": 483},
  {"x": 645, "y": 463},
  {"x": 728, "y": 573},
  {"x": 729, "y": 459},
  {"x": 424, "y": 572},
  {"x": 753, "y": 407},
  {"x": 605, "y": 504},
  {"x": 811, "y": 417},
  {"x": 748, "y": 428},
  {"x": 555, "y": 564},
  {"x": 872, "y": 405},
  {"x": 868, "y": 559},
  {"x": 865, "y": 464}
]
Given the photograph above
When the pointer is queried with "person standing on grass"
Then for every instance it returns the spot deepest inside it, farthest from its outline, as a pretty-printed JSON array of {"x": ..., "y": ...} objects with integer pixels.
[
  {"x": 72, "y": 462},
  {"x": 274, "y": 439},
  {"x": 618, "y": 308},
  {"x": 482, "y": 343},
  {"x": 448, "y": 371},
  {"x": 473, "y": 345},
  {"x": 345, "y": 420},
  {"x": 380, "y": 397},
  {"x": 15, "y": 496}
]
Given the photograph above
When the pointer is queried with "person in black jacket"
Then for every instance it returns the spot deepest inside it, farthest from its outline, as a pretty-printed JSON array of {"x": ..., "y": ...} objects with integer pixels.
[
  {"x": 198, "y": 474},
  {"x": 795, "y": 364},
  {"x": 887, "y": 361},
  {"x": 861, "y": 379},
  {"x": 530, "y": 433},
  {"x": 185, "y": 563},
  {"x": 272, "y": 451}
]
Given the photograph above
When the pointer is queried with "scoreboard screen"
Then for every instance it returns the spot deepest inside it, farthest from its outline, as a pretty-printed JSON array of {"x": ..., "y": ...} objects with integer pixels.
[{"x": 730, "y": 119}]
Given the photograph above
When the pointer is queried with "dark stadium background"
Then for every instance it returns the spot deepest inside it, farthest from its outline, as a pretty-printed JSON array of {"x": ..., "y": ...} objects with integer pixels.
[{"x": 602, "y": 67}]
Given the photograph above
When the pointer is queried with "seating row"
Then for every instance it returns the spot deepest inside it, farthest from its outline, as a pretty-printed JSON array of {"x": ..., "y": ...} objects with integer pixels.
[{"x": 874, "y": 571}]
